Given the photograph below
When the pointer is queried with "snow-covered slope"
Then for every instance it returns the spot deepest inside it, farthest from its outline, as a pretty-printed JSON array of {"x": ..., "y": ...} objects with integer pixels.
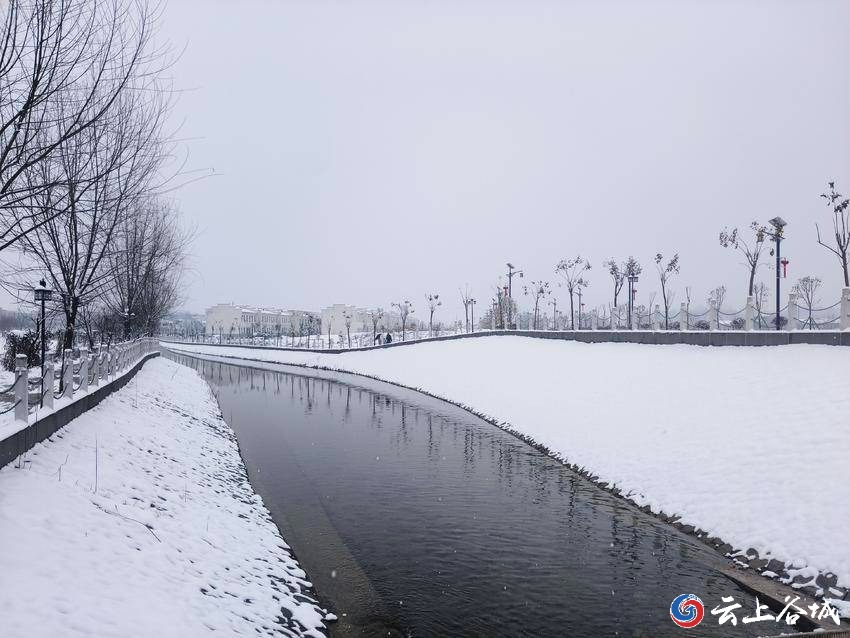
[
  {"x": 138, "y": 520},
  {"x": 748, "y": 444}
]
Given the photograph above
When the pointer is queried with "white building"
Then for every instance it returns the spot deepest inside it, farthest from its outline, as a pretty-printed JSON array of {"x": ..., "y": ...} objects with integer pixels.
[
  {"x": 237, "y": 320},
  {"x": 334, "y": 318}
]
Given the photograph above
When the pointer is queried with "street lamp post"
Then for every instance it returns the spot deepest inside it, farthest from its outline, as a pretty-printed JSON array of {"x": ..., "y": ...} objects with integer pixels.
[
  {"x": 511, "y": 272},
  {"x": 777, "y": 235},
  {"x": 128, "y": 316},
  {"x": 42, "y": 294},
  {"x": 472, "y": 309}
]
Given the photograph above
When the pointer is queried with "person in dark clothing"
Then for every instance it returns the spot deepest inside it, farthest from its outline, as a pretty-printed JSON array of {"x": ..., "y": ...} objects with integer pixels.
[
  {"x": 379, "y": 339},
  {"x": 389, "y": 338}
]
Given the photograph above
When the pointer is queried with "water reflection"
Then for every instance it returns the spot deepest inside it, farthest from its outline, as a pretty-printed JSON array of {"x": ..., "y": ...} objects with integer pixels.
[{"x": 414, "y": 517}]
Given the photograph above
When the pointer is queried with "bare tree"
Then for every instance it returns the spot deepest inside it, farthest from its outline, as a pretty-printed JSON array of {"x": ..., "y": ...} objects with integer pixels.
[
  {"x": 841, "y": 228},
  {"x": 651, "y": 307},
  {"x": 572, "y": 271},
  {"x": 466, "y": 298},
  {"x": 807, "y": 291},
  {"x": 618, "y": 276},
  {"x": 433, "y": 300},
  {"x": 718, "y": 295},
  {"x": 665, "y": 273},
  {"x": 750, "y": 249},
  {"x": 761, "y": 293},
  {"x": 147, "y": 264},
  {"x": 405, "y": 308},
  {"x": 97, "y": 177},
  {"x": 64, "y": 66},
  {"x": 538, "y": 290},
  {"x": 375, "y": 317}
]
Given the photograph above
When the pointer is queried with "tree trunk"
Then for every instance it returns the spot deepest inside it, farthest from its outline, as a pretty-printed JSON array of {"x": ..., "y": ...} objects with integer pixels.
[
  {"x": 572, "y": 313},
  {"x": 752, "y": 278}
]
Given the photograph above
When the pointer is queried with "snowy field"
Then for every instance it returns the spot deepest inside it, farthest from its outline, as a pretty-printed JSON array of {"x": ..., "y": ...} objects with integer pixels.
[
  {"x": 138, "y": 520},
  {"x": 749, "y": 444}
]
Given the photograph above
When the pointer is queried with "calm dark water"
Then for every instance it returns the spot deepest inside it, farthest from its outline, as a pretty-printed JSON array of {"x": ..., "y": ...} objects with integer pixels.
[{"x": 413, "y": 517}]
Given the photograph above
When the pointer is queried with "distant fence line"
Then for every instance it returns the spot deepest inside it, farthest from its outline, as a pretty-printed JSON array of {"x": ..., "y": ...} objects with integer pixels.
[{"x": 794, "y": 316}]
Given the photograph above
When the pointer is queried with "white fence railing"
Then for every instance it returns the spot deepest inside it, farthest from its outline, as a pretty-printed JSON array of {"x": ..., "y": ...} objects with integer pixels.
[
  {"x": 79, "y": 376},
  {"x": 793, "y": 316}
]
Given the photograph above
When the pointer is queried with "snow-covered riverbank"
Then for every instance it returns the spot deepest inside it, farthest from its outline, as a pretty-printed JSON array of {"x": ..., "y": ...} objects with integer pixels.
[
  {"x": 138, "y": 520},
  {"x": 748, "y": 444}
]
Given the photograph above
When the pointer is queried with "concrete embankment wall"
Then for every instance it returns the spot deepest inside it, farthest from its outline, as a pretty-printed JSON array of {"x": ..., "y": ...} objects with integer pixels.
[{"x": 656, "y": 337}]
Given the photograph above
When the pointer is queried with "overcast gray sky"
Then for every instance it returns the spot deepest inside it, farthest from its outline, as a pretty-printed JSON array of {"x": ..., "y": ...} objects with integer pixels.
[{"x": 369, "y": 152}]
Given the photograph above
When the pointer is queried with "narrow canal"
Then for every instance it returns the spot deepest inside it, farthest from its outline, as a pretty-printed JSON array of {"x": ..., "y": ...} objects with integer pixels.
[{"x": 414, "y": 517}]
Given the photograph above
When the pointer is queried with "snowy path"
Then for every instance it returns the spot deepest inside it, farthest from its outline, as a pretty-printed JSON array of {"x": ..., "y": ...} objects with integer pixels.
[
  {"x": 138, "y": 520},
  {"x": 748, "y": 444}
]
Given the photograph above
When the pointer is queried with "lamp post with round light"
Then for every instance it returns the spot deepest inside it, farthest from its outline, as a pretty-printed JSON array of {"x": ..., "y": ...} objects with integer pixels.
[
  {"x": 777, "y": 236},
  {"x": 42, "y": 294},
  {"x": 511, "y": 272}
]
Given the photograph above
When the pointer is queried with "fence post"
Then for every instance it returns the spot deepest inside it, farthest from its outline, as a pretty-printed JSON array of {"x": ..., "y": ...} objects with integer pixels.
[
  {"x": 68, "y": 380},
  {"x": 683, "y": 316},
  {"x": 84, "y": 370},
  {"x": 748, "y": 315},
  {"x": 22, "y": 405},
  {"x": 49, "y": 380},
  {"x": 712, "y": 315},
  {"x": 594, "y": 319},
  {"x": 844, "y": 321},
  {"x": 792, "y": 312},
  {"x": 95, "y": 366}
]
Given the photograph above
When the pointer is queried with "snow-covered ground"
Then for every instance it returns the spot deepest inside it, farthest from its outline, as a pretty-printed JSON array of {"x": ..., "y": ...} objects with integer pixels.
[
  {"x": 137, "y": 519},
  {"x": 749, "y": 444}
]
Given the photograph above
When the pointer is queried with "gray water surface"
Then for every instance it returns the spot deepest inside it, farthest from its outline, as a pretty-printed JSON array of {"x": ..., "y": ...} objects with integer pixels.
[{"x": 413, "y": 517}]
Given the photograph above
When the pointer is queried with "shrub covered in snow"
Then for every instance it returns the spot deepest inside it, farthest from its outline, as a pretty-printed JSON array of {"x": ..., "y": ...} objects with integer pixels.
[{"x": 22, "y": 342}]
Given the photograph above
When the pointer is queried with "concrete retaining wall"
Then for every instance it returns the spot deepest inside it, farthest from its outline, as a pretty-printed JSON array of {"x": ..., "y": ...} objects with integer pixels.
[
  {"x": 24, "y": 440},
  {"x": 656, "y": 337}
]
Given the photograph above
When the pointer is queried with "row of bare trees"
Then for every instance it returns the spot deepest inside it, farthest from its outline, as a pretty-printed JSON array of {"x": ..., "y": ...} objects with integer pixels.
[
  {"x": 84, "y": 163},
  {"x": 751, "y": 243}
]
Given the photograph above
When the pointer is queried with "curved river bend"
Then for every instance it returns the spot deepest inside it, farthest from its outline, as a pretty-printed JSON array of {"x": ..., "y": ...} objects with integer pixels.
[{"x": 414, "y": 517}]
